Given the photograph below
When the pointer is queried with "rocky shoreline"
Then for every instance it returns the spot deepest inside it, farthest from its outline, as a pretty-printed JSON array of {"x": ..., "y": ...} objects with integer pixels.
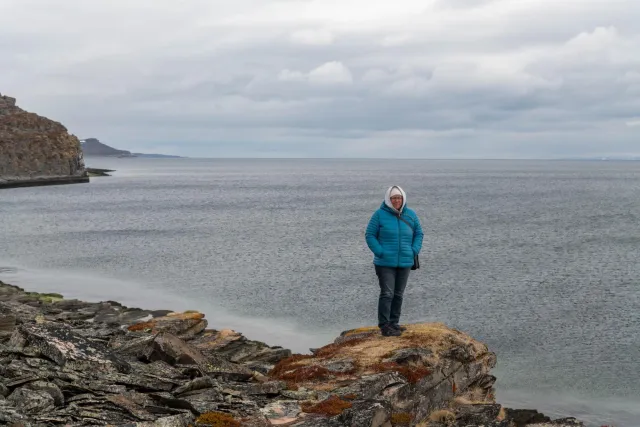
[{"x": 68, "y": 362}]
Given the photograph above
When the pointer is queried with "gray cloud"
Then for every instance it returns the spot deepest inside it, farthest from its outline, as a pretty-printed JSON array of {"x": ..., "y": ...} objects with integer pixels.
[{"x": 463, "y": 78}]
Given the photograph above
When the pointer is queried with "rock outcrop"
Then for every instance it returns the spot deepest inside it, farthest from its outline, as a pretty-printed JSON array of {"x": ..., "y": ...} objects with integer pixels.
[
  {"x": 35, "y": 150},
  {"x": 72, "y": 363}
]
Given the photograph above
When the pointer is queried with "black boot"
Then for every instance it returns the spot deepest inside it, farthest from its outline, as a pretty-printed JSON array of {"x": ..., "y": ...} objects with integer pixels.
[
  {"x": 398, "y": 327},
  {"x": 388, "y": 331}
]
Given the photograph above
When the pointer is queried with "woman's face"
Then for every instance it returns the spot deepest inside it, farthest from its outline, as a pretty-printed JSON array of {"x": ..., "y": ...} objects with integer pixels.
[{"x": 396, "y": 201}]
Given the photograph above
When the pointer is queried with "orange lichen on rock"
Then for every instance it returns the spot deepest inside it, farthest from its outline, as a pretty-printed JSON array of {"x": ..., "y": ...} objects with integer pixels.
[
  {"x": 189, "y": 314},
  {"x": 330, "y": 407},
  {"x": 217, "y": 419},
  {"x": 365, "y": 351},
  {"x": 142, "y": 326}
]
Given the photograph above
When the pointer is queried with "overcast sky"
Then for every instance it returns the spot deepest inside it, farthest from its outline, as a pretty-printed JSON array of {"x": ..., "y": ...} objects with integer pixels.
[{"x": 332, "y": 78}]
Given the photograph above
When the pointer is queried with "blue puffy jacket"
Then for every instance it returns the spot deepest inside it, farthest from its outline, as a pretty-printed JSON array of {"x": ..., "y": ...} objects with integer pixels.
[{"x": 392, "y": 241}]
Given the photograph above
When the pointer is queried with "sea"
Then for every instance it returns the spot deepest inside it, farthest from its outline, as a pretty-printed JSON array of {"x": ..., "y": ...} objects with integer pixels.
[{"x": 538, "y": 259}]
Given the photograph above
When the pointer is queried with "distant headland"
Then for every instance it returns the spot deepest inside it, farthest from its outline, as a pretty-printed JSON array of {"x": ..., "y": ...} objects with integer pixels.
[{"x": 93, "y": 147}]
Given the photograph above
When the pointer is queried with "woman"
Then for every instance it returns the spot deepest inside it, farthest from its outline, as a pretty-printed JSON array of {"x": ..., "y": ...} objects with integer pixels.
[{"x": 394, "y": 235}]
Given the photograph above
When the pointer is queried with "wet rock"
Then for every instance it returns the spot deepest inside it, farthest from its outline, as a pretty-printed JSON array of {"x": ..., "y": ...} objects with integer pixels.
[
  {"x": 562, "y": 422},
  {"x": 477, "y": 414},
  {"x": 31, "y": 402},
  {"x": 524, "y": 417},
  {"x": 59, "y": 344}
]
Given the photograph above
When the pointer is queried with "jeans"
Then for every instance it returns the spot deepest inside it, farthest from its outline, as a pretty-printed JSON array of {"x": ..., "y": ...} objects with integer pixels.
[{"x": 392, "y": 283}]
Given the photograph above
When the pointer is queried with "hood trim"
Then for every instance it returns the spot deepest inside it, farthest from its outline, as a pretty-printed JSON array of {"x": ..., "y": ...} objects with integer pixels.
[{"x": 387, "y": 199}]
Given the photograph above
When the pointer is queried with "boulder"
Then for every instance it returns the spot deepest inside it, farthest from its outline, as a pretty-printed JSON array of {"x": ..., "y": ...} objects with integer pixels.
[
  {"x": 50, "y": 388},
  {"x": 31, "y": 402},
  {"x": 58, "y": 343}
]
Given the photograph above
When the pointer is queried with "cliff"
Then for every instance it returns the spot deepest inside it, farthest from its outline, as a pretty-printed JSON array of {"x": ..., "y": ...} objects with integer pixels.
[
  {"x": 35, "y": 150},
  {"x": 72, "y": 363}
]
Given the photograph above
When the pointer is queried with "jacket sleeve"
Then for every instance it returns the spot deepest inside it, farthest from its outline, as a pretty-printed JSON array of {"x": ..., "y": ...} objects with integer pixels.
[
  {"x": 417, "y": 236},
  {"x": 371, "y": 235}
]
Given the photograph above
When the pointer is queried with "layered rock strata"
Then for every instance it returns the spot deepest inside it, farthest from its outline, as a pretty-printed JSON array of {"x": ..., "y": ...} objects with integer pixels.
[
  {"x": 35, "y": 150},
  {"x": 72, "y": 363}
]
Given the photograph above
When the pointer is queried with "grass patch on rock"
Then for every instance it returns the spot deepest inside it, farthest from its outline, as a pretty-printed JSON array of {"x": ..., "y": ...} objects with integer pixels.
[
  {"x": 217, "y": 419},
  {"x": 401, "y": 419},
  {"x": 45, "y": 297}
]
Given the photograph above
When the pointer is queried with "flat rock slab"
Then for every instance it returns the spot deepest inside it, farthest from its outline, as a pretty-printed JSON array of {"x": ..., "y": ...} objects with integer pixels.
[
  {"x": 60, "y": 344},
  {"x": 185, "y": 325}
]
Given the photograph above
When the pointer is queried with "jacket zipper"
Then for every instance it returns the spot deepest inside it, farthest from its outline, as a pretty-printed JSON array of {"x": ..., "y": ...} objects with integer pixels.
[{"x": 399, "y": 236}]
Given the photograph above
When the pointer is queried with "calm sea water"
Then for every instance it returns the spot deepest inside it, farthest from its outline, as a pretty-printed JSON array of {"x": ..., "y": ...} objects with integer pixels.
[{"x": 539, "y": 259}]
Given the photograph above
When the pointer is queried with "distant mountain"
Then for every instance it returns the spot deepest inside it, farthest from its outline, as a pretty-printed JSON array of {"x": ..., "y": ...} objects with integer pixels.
[{"x": 93, "y": 147}]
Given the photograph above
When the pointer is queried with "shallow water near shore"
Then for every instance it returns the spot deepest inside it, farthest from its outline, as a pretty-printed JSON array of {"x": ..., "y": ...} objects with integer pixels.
[{"x": 537, "y": 259}]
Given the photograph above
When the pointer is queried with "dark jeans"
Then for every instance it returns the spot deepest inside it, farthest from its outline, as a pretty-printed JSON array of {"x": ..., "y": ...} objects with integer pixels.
[{"x": 392, "y": 283}]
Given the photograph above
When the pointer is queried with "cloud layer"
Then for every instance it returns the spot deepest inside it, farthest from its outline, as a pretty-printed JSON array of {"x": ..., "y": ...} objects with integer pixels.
[{"x": 354, "y": 78}]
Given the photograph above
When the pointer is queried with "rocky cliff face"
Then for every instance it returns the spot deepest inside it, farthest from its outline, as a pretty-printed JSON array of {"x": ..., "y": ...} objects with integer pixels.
[{"x": 35, "y": 150}]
